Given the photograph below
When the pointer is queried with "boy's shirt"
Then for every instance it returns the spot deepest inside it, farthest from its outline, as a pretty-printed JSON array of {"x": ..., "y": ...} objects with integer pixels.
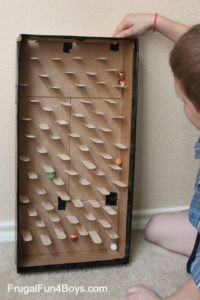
[{"x": 194, "y": 217}]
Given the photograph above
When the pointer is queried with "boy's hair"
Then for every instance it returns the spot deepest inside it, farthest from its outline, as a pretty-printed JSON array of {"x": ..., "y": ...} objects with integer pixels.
[{"x": 185, "y": 64}]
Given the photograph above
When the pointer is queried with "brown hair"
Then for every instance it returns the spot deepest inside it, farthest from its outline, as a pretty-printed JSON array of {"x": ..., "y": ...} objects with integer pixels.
[{"x": 185, "y": 63}]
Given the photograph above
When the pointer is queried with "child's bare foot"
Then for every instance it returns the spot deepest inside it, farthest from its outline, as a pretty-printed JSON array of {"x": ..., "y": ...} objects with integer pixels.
[{"x": 141, "y": 292}]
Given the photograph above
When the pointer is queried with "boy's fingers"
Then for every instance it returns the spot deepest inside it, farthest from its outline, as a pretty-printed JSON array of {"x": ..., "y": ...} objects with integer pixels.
[
  {"x": 123, "y": 25},
  {"x": 125, "y": 33}
]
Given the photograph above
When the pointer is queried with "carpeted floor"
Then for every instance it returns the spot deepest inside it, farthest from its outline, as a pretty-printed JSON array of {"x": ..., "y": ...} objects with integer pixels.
[{"x": 158, "y": 268}]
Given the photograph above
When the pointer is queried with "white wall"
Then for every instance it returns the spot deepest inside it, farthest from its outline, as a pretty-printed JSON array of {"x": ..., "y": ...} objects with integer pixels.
[{"x": 165, "y": 168}]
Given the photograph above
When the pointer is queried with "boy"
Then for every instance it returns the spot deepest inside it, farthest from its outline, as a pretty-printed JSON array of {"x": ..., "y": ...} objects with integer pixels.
[{"x": 173, "y": 229}]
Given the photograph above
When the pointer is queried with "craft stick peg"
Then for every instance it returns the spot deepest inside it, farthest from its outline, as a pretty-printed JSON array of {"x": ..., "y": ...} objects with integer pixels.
[
  {"x": 95, "y": 237},
  {"x": 60, "y": 233},
  {"x": 40, "y": 223},
  {"x": 45, "y": 239},
  {"x": 24, "y": 199},
  {"x": 26, "y": 235}
]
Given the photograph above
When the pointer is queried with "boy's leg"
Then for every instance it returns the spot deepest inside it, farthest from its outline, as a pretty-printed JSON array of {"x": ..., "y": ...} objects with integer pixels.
[{"x": 172, "y": 231}]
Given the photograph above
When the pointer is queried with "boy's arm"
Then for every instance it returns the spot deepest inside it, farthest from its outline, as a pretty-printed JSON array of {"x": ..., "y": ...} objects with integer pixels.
[
  {"x": 171, "y": 29},
  {"x": 188, "y": 291},
  {"x": 135, "y": 24}
]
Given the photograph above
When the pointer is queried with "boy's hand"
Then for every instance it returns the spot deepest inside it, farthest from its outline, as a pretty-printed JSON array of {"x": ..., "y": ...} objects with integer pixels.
[
  {"x": 134, "y": 24},
  {"x": 141, "y": 292}
]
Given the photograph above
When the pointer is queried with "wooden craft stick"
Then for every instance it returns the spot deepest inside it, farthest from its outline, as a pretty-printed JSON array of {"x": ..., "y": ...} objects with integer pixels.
[
  {"x": 55, "y": 87},
  {"x": 103, "y": 191},
  {"x": 56, "y": 58},
  {"x": 120, "y": 183},
  {"x": 47, "y": 108},
  {"x": 86, "y": 101},
  {"x": 64, "y": 196},
  {"x": 90, "y": 217},
  {"x": 32, "y": 175},
  {"x": 90, "y": 126},
  {"x": 102, "y": 58},
  {"x": 26, "y": 119},
  {"x": 69, "y": 73},
  {"x": 104, "y": 129},
  {"x": 120, "y": 146},
  {"x": 91, "y": 73},
  {"x": 77, "y": 203},
  {"x": 44, "y": 75},
  {"x": 32, "y": 212},
  {"x": 81, "y": 230},
  {"x": 44, "y": 126},
  {"x": 62, "y": 122},
  {"x": 98, "y": 112},
  {"x": 109, "y": 210},
  {"x": 63, "y": 156},
  {"x": 72, "y": 219},
  {"x": 81, "y": 85},
  {"x": 42, "y": 150},
  {"x": 78, "y": 58},
  {"x": 78, "y": 115},
  {"x": 101, "y": 82},
  {"x": 34, "y": 101},
  {"x": 104, "y": 223},
  {"x": 55, "y": 137},
  {"x": 105, "y": 155},
  {"x": 60, "y": 233},
  {"x": 54, "y": 217},
  {"x": 40, "y": 223},
  {"x": 94, "y": 203},
  {"x": 66, "y": 104},
  {"x": 84, "y": 181},
  {"x": 84, "y": 148},
  {"x": 30, "y": 136},
  {"x": 24, "y": 158},
  {"x": 112, "y": 234},
  {"x": 41, "y": 192},
  {"x": 88, "y": 164},
  {"x": 74, "y": 134},
  {"x": 58, "y": 181},
  {"x": 34, "y": 58},
  {"x": 24, "y": 199},
  {"x": 96, "y": 141},
  {"x": 115, "y": 167},
  {"x": 45, "y": 239},
  {"x": 100, "y": 173},
  {"x": 110, "y": 101},
  {"x": 26, "y": 235},
  {"x": 48, "y": 205},
  {"x": 71, "y": 172},
  {"x": 95, "y": 237}
]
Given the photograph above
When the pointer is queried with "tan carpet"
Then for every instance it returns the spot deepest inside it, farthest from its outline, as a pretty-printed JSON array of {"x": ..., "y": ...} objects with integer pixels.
[{"x": 150, "y": 265}]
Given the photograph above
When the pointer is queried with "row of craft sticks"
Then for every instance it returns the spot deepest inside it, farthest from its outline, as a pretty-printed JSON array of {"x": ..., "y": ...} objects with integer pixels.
[
  {"x": 77, "y": 135},
  {"x": 83, "y": 181},
  {"x": 79, "y": 85},
  {"x": 78, "y": 203},
  {"x": 61, "y": 235},
  {"x": 32, "y": 212},
  {"x": 77, "y": 58}
]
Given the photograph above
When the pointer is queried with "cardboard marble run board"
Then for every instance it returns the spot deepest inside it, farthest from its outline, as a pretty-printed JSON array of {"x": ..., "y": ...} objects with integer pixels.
[{"x": 76, "y": 103}]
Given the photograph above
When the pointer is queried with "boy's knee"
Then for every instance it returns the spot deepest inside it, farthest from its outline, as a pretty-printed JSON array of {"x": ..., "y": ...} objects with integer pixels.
[{"x": 152, "y": 230}]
